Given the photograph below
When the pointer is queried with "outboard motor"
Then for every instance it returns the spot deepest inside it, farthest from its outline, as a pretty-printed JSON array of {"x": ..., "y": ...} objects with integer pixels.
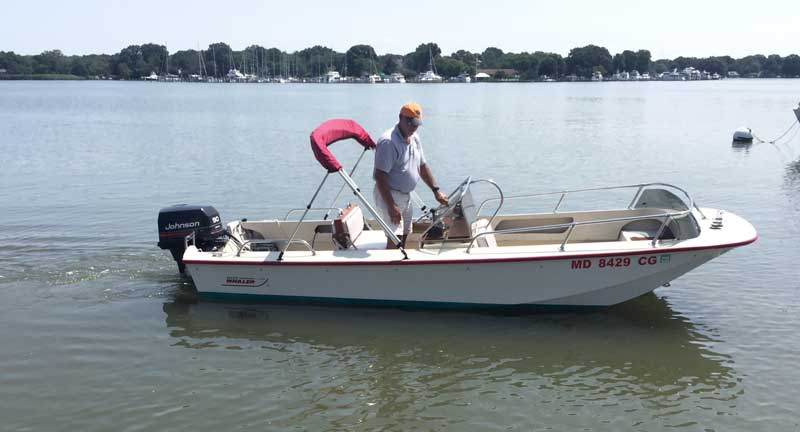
[{"x": 177, "y": 222}]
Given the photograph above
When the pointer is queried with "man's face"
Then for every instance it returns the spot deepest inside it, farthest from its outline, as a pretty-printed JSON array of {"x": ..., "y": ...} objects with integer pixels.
[{"x": 407, "y": 126}]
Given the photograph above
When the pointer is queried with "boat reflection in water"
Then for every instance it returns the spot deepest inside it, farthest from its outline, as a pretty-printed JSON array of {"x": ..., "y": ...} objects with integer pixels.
[
  {"x": 741, "y": 146},
  {"x": 640, "y": 348},
  {"x": 792, "y": 176}
]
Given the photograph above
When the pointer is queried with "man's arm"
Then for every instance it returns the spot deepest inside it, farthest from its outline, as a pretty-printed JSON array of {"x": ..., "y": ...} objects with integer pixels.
[{"x": 427, "y": 176}]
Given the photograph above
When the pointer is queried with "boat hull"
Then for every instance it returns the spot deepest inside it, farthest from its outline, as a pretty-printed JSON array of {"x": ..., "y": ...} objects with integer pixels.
[{"x": 589, "y": 280}]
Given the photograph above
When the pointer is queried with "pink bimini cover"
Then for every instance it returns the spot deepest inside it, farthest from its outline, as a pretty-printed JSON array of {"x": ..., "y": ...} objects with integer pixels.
[{"x": 334, "y": 130}]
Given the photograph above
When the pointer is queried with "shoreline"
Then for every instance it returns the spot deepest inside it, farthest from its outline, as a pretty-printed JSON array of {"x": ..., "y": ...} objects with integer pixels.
[{"x": 60, "y": 77}]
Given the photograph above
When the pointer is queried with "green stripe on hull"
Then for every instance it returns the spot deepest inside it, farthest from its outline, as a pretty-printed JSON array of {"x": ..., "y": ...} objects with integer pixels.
[{"x": 261, "y": 298}]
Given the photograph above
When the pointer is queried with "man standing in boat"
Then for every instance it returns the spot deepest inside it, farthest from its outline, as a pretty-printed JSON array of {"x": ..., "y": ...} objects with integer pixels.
[{"x": 399, "y": 164}]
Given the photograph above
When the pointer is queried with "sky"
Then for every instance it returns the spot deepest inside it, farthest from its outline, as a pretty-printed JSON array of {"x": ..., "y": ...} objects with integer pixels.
[{"x": 691, "y": 28}]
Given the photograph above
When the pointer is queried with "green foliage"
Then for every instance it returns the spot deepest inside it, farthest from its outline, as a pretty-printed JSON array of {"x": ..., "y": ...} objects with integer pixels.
[
  {"x": 466, "y": 57},
  {"x": 15, "y": 64},
  {"x": 137, "y": 61},
  {"x": 630, "y": 60},
  {"x": 791, "y": 66},
  {"x": 750, "y": 65},
  {"x": 618, "y": 63},
  {"x": 643, "y": 62},
  {"x": 50, "y": 62},
  {"x": 94, "y": 64},
  {"x": 185, "y": 63},
  {"x": 41, "y": 77},
  {"x": 449, "y": 67},
  {"x": 79, "y": 69},
  {"x": 551, "y": 65},
  {"x": 772, "y": 67},
  {"x": 712, "y": 65},
  {"x": 318, "y": 60},
  {"x": 391, "y": 63},
  {"x": 526, "y": 64},
  {"x": 218, "y": 59},
  {"x": 420, "y": 59},
  {"x": 492, "y": 58},
  {"x": 155, "y": 58},
  {"x": 662, "y": 65},
  {"x": 361, "y": 60},
  {"x": 583, "y": 61}
]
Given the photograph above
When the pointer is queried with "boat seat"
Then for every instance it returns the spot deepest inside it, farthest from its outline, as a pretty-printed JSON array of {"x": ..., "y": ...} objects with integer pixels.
[
  {"x": 645, "y": 229},
  {"x": 636, "y": 235},
  {"x": 481, "y": 226},
  {"x": 349, "y": 232}
]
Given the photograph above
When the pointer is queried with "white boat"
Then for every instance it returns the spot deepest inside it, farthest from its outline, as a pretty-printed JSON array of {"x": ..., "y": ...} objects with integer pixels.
[
  {"x": 397, "y": 78},
  {"x": 466, "y": 254},
  {"x": 743, "y": 135},
  {"x": 235, "y": 76},
  {"x": 429, "y": 77},
  {"x": 152, "y": 77},
  {"x": 463, "y": 78},
  {"x": 331, "y": 77}
]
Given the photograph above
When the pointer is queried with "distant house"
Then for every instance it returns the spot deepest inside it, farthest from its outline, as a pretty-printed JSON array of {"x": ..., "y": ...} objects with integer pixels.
[{"x": 3, "y": 71}]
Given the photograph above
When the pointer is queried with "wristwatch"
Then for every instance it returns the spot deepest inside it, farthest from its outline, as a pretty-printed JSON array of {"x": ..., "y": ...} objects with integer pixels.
[{"x": 435, "y": 189}]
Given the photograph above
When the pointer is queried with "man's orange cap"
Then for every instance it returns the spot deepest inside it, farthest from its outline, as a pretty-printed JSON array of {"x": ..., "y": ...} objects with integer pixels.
[{"x": 411, "y": 110}]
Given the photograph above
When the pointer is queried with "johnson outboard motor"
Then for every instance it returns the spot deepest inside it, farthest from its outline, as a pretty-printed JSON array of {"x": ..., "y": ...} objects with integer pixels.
[{"x": 177, "y": 222}]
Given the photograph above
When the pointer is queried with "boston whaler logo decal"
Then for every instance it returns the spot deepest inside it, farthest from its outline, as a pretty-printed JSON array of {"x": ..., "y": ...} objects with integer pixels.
[
  {"x": 185, "y": 225},
  {"x": 245, "y": 281}
]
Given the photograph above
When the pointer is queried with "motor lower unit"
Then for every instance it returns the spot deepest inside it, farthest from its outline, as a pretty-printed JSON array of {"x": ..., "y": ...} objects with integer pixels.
[{"x": 176, "y": 223}]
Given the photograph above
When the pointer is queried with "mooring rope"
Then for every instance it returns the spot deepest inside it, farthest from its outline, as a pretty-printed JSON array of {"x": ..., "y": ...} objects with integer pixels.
[{"x": 792, "y": 126}]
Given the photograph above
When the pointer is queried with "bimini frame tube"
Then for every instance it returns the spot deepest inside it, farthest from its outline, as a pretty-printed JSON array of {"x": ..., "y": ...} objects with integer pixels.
[
  {"x": 389, "y": 233},
  {"x": 344, "y": 185},
  {"x": 308, "y": 207}
]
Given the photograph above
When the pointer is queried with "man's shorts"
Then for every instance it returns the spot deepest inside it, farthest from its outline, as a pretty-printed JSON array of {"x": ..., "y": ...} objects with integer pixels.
[{"x": 403, "y": 201}]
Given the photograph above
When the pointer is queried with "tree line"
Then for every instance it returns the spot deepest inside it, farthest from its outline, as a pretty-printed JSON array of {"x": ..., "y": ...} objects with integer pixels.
[{"x": 137, "y": 61}]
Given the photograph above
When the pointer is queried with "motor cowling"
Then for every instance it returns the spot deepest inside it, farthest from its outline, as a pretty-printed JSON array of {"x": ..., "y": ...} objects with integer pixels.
[{"x": 177, "y": 222}]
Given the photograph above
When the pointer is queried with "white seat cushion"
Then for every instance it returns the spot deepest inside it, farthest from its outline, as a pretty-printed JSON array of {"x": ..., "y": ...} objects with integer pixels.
[
  {"x": 370, "y": 240},
  {"x": 349, "y": 231},
  {"x": 481, "y": 226}
]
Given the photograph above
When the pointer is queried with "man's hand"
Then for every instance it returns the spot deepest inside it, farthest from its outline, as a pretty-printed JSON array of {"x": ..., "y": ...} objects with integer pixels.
[
  {"x": 441, "y": 197},
  {"x": 394, "y": 214}
]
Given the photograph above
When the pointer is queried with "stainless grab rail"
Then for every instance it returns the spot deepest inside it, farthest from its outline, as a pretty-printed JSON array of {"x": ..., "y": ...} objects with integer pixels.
[
  {"x": 563, "y": 195},
  {"x": 500, "y": 191},
  {"x": 297, "y": 210},
  {"x": 275, "y": 242},
  {"x": 668, "y": 217}
]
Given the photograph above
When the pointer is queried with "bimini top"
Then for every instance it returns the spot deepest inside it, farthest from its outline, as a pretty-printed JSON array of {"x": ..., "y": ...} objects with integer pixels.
[{"x": 334, "y": 130}]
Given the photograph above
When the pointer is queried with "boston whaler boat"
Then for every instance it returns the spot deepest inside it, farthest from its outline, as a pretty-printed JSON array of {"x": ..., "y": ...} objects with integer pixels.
[{"x": 465, "y": 254}]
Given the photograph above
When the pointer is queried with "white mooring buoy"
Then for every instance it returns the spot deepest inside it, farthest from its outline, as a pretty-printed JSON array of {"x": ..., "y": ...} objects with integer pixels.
[{"x": 743, "y": 135}]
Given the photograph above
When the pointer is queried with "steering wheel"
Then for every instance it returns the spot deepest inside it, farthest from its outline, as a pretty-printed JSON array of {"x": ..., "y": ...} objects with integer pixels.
[{"x": 453, "y": 200}]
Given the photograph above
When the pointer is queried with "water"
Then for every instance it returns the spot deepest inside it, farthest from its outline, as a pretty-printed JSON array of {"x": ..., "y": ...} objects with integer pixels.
[{"x": 99, "y": 331}]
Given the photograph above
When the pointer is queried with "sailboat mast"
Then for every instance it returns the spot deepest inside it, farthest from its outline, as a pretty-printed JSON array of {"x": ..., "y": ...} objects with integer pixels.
[
  {"x": 199, "y": 61},
  {"x": 214, "y": 56}
]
